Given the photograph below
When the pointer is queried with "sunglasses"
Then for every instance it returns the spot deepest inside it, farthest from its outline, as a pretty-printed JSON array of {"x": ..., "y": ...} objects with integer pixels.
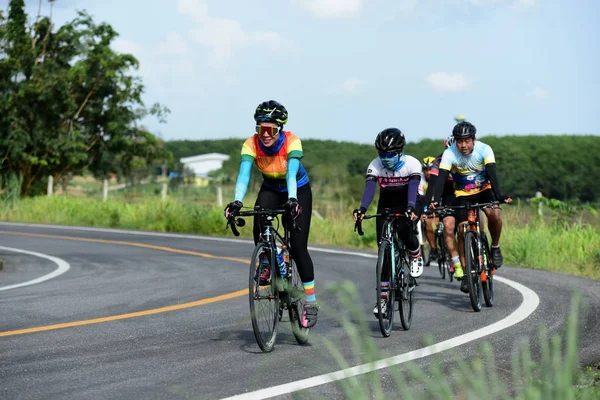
[
  {"x": 271, "y": 131},
  {"x": 389, "y": 154}
]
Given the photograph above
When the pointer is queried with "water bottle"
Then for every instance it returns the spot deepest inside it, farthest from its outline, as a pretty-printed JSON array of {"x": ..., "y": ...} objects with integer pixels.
[
  {"x": 285, "y": 254},
  {"x": 281, "y": 262}
]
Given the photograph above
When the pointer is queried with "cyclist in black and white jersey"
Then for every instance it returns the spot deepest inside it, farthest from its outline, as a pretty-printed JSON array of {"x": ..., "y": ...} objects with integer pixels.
[{"x": 398, "y": 176}]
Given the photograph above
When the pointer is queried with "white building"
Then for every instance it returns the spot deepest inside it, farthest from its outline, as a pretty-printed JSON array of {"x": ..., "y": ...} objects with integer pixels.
[{"x": 204, "y": 163}]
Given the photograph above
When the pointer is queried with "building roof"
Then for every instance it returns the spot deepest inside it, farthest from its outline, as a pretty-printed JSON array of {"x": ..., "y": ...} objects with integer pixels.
[{"x": 204, "y": 157}]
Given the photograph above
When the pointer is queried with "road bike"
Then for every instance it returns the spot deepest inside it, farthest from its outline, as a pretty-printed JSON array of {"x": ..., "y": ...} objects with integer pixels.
[
  {"x": 392, "y": 261},
  {"x": 479, "y": 268},
  {"x": 274, "y": 287},
  {"x": 444, "y": 258}
]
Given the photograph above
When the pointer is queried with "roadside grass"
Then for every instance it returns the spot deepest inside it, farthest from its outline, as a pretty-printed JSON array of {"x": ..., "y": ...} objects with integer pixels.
[
  {"x": 553, "y": 373},
  {"x": 527, "y": 241}
]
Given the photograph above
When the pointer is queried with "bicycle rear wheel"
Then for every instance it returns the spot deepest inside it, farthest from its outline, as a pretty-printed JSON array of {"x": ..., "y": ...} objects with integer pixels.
[
  {"x": 471, "y": 270},
  {"x": 264, "y": 299},
  {"x": 420, "y": 229},
  {"x": 405, "y": 285},
  {"x": 296, "y": 296},
  {"x": 487, "y": 278},
  {"x": 426, "y": 254},
  {"x": 386, "y": 319}
]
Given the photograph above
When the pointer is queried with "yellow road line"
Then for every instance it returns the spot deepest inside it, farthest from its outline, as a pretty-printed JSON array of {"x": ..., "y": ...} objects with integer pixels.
[
  {"x": 129, "y": 315},
  {"x": 222, "y": 297}
]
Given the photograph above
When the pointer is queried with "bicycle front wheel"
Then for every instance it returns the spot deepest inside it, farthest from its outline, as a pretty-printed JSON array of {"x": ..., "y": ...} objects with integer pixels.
[
  {"x": 385, "y": 307},
  {"x": 264, "y": 296},
  {"x": 406, "y": 285},
  {"x": 296, "y": 296},
  {"x": 442, "y": 260},
  {"x": 487, "y": 278},
  {"x": 472, "y": 270}
]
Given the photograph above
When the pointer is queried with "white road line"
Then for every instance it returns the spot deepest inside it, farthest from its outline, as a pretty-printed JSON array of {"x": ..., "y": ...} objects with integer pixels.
[
  {"x": 63, "y": 267},
  {"x": 528, "y": 305}
]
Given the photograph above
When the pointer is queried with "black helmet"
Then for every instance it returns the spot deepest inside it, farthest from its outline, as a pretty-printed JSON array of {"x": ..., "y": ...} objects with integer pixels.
[
  {"x": 390, "y": 140},
  {"x": 464, "y": 130},
  {"x": 271, "y": 111}
]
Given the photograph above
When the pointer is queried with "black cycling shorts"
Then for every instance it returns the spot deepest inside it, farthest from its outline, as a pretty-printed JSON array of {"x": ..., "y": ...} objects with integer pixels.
[{"x": 481, "y": 197}]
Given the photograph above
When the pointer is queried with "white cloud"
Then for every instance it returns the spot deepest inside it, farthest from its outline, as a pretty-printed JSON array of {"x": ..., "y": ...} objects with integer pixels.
[
  {"x": 222, "y": 35},
  {"x": 129, "y": 47},
  {"x": 448, "y": 82},
  {"x": 485, "y": 2},
  {"x": 538, "y": 93},
  {"x": 197, "y": 10},
  {"x": 172, "y": 58},
  {"x": 174, "y": 44},
  {"x": 353, "y": 85},
  {"x": 519, "y": 4},
  {"x": 525, "y": 4},
  {"x": 332, "y": 9},
  {"x": 161, "y": 64}
]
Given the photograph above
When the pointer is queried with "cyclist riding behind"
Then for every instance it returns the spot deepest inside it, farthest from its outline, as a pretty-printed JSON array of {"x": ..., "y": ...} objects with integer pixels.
[
  {"x": 428, "y": 222},
  {"x": 447, "y": 199},
  {"x": 277, "y": 155},
  {"x": 473, "y": 167},
  {"x": 398, "y": 176}
]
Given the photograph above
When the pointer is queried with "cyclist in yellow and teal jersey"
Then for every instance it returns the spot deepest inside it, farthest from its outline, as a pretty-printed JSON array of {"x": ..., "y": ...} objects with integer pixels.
[
  {"x": 473, "y": 167},
  {"x": 277, "y": 153}
]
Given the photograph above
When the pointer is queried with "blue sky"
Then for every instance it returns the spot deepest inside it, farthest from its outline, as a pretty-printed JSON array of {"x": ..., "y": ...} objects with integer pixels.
[{"x": 346, "y": 69}]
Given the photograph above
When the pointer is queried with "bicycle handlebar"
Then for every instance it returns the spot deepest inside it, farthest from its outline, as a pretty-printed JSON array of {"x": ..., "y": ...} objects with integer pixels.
[
  {"x": 489, "y": 204},
  {"x": 236, "y": 220},
  {"x": 443, "y": 210},
  {"x": 439, "y": 211},
  {"x": 385, "y": 214}
]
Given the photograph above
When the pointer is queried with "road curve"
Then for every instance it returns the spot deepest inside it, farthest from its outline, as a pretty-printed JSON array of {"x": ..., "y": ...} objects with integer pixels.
[{"x": 141, "y": 315}]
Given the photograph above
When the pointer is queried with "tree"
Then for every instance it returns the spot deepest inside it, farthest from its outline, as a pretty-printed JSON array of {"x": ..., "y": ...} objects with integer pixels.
[
  {"x": 560, "y": 166},
  {"x": 69, "y": 101}
]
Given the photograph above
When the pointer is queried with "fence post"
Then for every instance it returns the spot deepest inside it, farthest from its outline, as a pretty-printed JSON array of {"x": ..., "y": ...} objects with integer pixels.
[
  {"x": 539, "y": 194},
  {"x": 50, "y": 185},
  {"x": 219, "y": 196},
  {"x": 104, "y": 189},
  {"x": 163, "y": 192}
]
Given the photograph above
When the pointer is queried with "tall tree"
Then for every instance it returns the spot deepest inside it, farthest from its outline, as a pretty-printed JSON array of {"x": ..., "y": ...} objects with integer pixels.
[{"x": 69, "y": 102}]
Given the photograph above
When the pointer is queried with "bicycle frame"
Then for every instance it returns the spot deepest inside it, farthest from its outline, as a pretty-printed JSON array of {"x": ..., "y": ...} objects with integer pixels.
[
  {"x": 473, "y": 225},
  {"x": 287, "y": 292},
  {"x": 270, "y": 235},
  {"x": 387, "y": 234},
  {"x": 401, "y": 285},
  {"x": 477, "y": 272}
]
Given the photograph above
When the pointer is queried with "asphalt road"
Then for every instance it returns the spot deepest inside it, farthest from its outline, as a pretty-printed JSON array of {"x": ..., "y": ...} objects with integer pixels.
[{"x": 166, "y": 316}]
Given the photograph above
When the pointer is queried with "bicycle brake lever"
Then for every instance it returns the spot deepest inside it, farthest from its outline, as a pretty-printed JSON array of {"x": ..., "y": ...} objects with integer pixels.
[
  {"x": 358, "y": 226},
  {"x": 231, "y": 224}
]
